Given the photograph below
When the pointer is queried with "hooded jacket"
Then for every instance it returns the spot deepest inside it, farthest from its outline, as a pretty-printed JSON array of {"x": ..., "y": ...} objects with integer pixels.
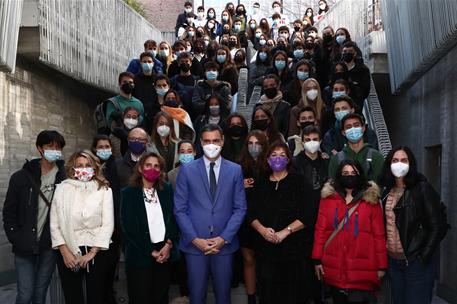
[
  {"x": 20, "y": 211},
  {"x": 352, "y": 259}
]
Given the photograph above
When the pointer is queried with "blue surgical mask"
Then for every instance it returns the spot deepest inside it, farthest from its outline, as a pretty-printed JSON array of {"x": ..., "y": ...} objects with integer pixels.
[
  {"x": 263, "y": 56},
  {"x": 340, "y": 39},
  {"x": 186, "y": 158},
  {"x": 338, "y": 94},
  {"x": 211, "y": 75},
  {"x": 237, "y": 27},
  {"x": 340, "y": 114},
  {"x": 52, "y": 155},
  {"x": 104, "y": 154},
  {"x": 299, "y": 54},
  {"x": 354, "y": 134},
  {"x": 280, "y": 64},
  {"x": 221, "y": 58},
  {"x": 162, "y": 91},
  {"x": 302, "y": 75},
  {"x": 153, "y": 53},
  {"x": 147, "y": 67},
  {"x": 257, "y": 35}
]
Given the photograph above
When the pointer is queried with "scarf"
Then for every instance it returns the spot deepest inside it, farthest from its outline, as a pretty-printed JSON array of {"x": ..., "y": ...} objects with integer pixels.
[{"x": 271, "y": 104}]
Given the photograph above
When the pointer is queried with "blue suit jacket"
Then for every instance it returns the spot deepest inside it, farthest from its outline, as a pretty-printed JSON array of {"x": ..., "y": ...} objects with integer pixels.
[{"x": 198, "y": 216}]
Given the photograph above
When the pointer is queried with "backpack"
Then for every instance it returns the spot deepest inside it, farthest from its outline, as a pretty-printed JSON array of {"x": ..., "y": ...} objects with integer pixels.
[
  {"x": 101, "y": 121},
  {"x": 368, "y": 168}
]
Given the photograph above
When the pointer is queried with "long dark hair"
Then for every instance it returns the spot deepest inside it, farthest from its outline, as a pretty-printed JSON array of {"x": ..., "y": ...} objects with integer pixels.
[
  {"x": 388, "y": 179},
  {"x": 136, "y": 180},
  {"x": 358, "y": 167},
  {"x": 246, "y": 161},
  {"x": 223, "y": 110},
  {"x": 228, "y": 141},
  {"x": 272, "y": 130}
]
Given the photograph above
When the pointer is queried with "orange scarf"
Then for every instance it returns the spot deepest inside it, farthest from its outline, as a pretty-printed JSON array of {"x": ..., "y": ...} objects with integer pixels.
[{"x": 176, "y": 113}]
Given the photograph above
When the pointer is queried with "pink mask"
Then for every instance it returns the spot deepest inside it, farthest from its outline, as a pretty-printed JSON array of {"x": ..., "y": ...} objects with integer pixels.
[{"x": 151, "y": 175}]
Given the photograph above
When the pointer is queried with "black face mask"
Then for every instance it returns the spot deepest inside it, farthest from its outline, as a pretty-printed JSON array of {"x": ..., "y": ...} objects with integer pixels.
[
  {"x": 281, "y": 46},
  {"x": 350, "y": 181},
  {"x": 199, "y": 49},
  {"x": 127, "y": 88},
  {"x": 260, "y": 124},
  {"x": 236, "y": 131},
  {"x": 327, "y": 38},
  {"x": 225, "y": 31},
  {"x": 305, "y": 124},
  {"x": 240, "y": 12},
  {"x": 296, "y": 28},
  {"x": 339, "y": 75},
  {"x": 271, "y": 92},
  {"x": 307, "y": 56},
  {"x": 224, "y": 43},
  {"x": 347, "y": 57},
  {"x": 184, "y": 67},
  {"x": 232, "y": 44}
]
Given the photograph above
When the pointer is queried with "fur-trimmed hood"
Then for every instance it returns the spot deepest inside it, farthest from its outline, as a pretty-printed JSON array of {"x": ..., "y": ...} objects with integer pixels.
[{"x": 370, "y": 194}]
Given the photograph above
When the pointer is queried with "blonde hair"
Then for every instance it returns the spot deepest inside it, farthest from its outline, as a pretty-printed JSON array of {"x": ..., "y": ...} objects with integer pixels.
[
  {"x": 318, "y": 105},
  {"x": 170, "y": 54},
  {"x": 95, "y": 163}
]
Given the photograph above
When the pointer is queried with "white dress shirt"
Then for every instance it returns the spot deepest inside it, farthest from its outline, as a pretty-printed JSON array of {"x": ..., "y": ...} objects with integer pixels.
[
  {"x": 154, "y": 214},
  {"x": 217, "y": 167}
]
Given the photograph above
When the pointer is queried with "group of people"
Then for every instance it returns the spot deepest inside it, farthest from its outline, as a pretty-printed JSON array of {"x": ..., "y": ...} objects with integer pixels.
[{"x": 179, "y": 183}]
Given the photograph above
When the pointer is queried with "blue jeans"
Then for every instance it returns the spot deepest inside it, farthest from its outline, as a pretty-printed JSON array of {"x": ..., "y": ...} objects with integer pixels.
[
  {"x": 34, "y": 274},
  {"x": 411, "y": 283}
]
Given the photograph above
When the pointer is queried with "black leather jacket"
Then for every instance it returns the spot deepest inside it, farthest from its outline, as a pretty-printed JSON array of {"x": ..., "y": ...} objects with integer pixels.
[{"x": 417, "y": 217}]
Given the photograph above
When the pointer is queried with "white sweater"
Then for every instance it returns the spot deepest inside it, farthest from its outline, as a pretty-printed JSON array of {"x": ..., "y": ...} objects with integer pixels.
[{"x": 81, "y": 215}]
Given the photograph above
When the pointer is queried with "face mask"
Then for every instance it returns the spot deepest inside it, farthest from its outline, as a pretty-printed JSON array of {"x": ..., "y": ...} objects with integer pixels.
[
  {"x": 298, "y": 54},
  {"x": 163, "y": 130},
  {"x": 186, "y": 158},
  {"x": 339, "y": 75},
  {"x": 221, "y": 58},
  {"x": 252, "y": 26},
  {"x": 147, "y": 67},
  {"x": 338, "y": 94},
  {"x": 305, "y": 124},
  {"x": 278, "y": 164},
  {"x": 127, "y": 88},
  {"x": 104, "y": 154},
  {"x": 211, "y": 15},
  {"x": 271, "y": 92},
  {"x": 280, "y": 64},
  {"x": 214, "y": 110},
  {"x": 236, "y": 131},
  {"x": 232, "y": 44},
  {"x": 211, "y": 75},
  {"x": 210, "y": 26},
  {"x": 184, "y": 67},
  {"x": 237, "y": 27},
  {"x": 313, "y": 34},
  {"x": 188, "y": 10},
  {"x": 130, "y": 123},
  {"x": 312, "y": 146},
  {"x": 255, "y": 10},
  {"x": 201, "y": 15},
  {"x": 52, "y": 155},
  {"x": 350, "y": 181},
  {"x": 257, "y": 35},
  {"x": 191, "y": 34},
  {"x": 164, "y": 53},
  {"x": 225, "y": 18},
  {"x": 327, "y": 38},
  {"x": 354, "y": 134},
  {"x": 347, "y": 57},
  {"x": 340, "y": 39},
  {"x": 212, "y": 150},
  {"x": 137, "y": 147},
  {"x": 312, "y": 94},
  {"x": 151, "y": 175},
  {"x": 296, "y": 28},
  {"x": 309, "y": 14},
  {"x": 281, "y": 46},
  {"x": 190, "y": 20},
  {"x": 172, "y": 103},
  {"x": 161, "y": 91},
  {"x": 302, "y": 75},
  {"x": 263, "y": 56},
  {"x": 84, "y": 174},
  {"x": 340, "y": 114},
  {"x": 262, "y": 41},
  {"x": 277, "y": 9},
  {"x": 399, "y": 169},
  {"x": 177, "y": 53},
  {"x": 206, "y": 42},
  {"x": 255, "y": 150},
  {"x": 260, "y": 124},
  {"x": 322, "y": 6}
]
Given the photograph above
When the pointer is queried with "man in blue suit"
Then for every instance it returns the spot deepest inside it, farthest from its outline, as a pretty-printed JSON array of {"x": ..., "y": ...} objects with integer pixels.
[{"x": 210, "y": 205}]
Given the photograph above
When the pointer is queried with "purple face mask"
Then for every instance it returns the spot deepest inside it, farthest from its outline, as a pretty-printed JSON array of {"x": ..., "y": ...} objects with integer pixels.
[{"x": 278, "y": 164}]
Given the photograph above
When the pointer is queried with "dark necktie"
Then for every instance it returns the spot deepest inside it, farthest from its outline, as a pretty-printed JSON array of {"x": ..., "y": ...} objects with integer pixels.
[{"x": 212, "y": 180}]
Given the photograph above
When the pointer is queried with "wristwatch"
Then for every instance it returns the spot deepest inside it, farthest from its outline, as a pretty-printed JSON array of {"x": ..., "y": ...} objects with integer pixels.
[{"x": 289, "y": 229}]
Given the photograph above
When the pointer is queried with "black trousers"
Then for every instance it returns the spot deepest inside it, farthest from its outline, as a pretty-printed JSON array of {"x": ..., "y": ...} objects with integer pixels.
[
  {"x": 95, "y": 279},
  {"x": 113, "y": 254},
  {"x": 148, "y": 285}
]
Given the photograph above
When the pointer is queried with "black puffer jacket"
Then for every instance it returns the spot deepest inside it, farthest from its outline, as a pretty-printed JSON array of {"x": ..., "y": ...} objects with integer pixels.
[
  {"x": 418, "y": 219},
  {"x": 20, "y": 210}
]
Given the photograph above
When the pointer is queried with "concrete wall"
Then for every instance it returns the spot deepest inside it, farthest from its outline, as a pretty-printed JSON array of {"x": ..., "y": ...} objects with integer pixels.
[
  {"x": 33, "y": 99},
  {"x": 425, "y": 118}
]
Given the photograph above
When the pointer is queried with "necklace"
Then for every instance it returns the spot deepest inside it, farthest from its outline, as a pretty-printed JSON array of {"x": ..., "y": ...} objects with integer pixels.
[
  {"x": 149, "y": 195},
  {"x": 278, "y": 180}
]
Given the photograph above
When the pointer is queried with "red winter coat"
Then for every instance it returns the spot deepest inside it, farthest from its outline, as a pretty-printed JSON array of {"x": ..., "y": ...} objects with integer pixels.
[{"x": 358, "y": 251}]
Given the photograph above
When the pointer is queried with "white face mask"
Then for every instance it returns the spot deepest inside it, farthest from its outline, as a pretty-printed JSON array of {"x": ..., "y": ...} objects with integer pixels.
[
  {"x": 163, "y": 131},
  {"x": 212, "y": 150},
  {"x": 313, "y": 34},
  {"x": 201, "y": 15},
  {"x": 277, "y": 9},
  {"x": 312, "y": 94},
  {"x": 399, "y": 169},
  {"x": 130, "y": 123},
  {"x": 312, "y": 146}
]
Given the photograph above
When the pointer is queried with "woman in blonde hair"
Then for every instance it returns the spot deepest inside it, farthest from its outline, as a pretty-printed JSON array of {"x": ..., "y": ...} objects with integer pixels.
[
  {"x": 165, "y": 55},
  {"x": 82, "y": 222},
  {"x": 311, "y": 97}
]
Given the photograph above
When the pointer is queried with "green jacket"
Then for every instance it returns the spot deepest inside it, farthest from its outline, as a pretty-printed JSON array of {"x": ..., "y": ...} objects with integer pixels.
[
  {"x": 134, "y": 223},
  {"x": 123, "y": 104},
  {"x": 377, "y": 162}
]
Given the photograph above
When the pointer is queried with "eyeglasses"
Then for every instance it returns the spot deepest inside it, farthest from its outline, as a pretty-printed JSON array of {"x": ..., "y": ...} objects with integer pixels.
[{"x": 136, "y": 139}]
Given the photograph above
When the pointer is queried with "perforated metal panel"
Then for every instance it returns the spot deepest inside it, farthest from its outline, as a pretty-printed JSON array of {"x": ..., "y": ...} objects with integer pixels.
[{"x": 10, "y": 19}]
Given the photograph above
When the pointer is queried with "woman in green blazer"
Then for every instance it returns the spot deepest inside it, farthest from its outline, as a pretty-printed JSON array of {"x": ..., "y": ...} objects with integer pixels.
[{"x": 150, "y": 231}]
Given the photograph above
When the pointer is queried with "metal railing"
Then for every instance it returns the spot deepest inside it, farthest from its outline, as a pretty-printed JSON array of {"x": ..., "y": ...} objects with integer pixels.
[
  {"x": 91, "y": 40},
  {"x": 10, "y": 19},
  {"x": 419, "y": 33}
]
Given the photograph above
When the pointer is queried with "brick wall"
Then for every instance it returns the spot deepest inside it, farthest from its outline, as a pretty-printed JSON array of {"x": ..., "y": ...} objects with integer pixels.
[
  {"x": 33, "y": 99},
  {"x": 163, "y": 13}
]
